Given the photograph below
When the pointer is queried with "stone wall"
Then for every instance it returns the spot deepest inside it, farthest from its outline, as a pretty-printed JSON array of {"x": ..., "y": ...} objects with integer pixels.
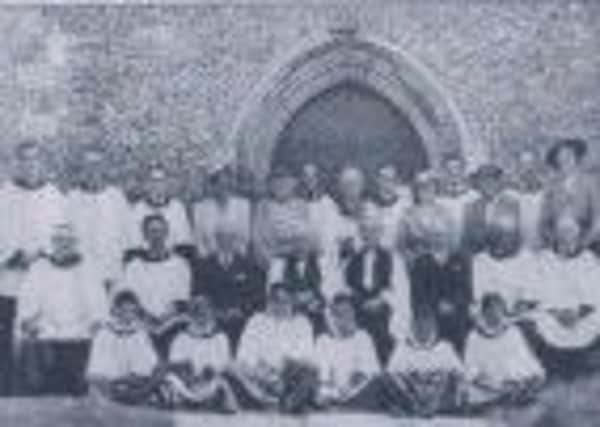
[{"x": 174, "y": 82}]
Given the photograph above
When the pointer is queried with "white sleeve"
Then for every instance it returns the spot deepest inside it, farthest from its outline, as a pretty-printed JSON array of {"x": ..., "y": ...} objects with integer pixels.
[
  {"x": 251, "y": 340},
  {"x": 29, "y": 301},
  {"x": 369, "y": 364},
  {"x": 178, "y": 352},
  {"x": 203, "y": 229},
  {"x": 181, "y": 231},
  {"x": 184, "y": 285}
]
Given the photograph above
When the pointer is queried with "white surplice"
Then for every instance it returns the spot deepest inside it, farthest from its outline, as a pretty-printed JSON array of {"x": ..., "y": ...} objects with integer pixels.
[{"x": 212, "y": 352}]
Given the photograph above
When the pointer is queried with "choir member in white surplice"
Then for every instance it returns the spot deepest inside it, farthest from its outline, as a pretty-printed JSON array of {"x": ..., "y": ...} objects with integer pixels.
[
  {"x": 499, "y": 364},
  {"x": 393, "y": 201},
  {"x": 424, "y": 371},
  {"x": 122, "y": 350},
  {"x": 455, "y": 193},
  {"x": 221, "y": 210},
  {"x": 502, "y": 265},
  {"x": 100, "y": 214},
  {"x": 200, "y": 354},
  {"x": 160, "y": 278},
  {"x": 274, "y": 358},
  {"x": 279, "y": 218},
  {"x": 322, "y": 210},
  {"x": 347, "y": 361},
  {"x": 158, "y": 200},
  {"x": 569, "y": 314},
  {"x": 58, "y": 311},
  {"x": 528, "y": 188}
]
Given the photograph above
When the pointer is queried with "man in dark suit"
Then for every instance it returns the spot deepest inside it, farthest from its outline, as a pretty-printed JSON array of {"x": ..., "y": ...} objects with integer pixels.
[
  {"x": 480, "y": 214},
  {"x": 441, "y": 283},
  {"x": 233, "y": 282},
  {"x": 369, "y": 275}
]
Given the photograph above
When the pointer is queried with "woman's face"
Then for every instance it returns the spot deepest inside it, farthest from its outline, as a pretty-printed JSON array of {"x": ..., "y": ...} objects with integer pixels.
[{"x": 567, "y": 160}]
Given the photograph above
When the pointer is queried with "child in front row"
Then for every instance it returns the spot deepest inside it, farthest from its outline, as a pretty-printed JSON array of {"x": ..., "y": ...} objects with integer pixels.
[
  {"x": 426, "y": 370},
  {"x": 347, "y": 361},
  {"x": 122, "y": 358},
  {"x": 500, "y": 366},
  {"x": 199, "y": 356}
]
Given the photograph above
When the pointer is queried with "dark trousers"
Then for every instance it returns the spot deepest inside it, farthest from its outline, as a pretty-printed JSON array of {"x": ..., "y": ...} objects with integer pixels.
[
  {"x": 7, "y": 318},
  {"x": 377, "y": 324},
  {"x": 55, "y": 367}
]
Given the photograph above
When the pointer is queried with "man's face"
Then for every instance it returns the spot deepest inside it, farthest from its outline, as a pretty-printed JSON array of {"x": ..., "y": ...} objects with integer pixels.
[
  {"x": 93, "y": 167},
  {"x": 224, "y": 183},
  {"x": 155, "y": 233},
  {"x": 30, "y": 166},
  {"x": 387, "y": 181},
  {"x": 202, "y": 314},
  {"x": 490, "y": 187},
  {"x": 424, "y": 330},
  {"x": 281, "y": 304},
  {"x": 157, "y": 189},
  {"x": 351, "y": 184},
  {"x": 455, "y": 167},
  {"x": 344, "y": 318},
  {"x": 527, "y": 162},
  {"x": 310, "y": 176},
  {"x": 426, "y": 192},
  {"x": 226, "y": 241},
  {"x": 370, "y": 231},
  {"x": 283, "y": 188}
]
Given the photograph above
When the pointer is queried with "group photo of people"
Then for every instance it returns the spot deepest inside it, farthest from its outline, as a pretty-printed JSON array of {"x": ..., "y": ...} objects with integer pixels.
[{"x": 460, "y": 290}]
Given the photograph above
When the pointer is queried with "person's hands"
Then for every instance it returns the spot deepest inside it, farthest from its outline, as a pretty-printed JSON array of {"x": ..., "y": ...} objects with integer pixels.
[
  {"x": 30, "y": 328},
  {"x": 374, "y": 304},
  {"x": 95, "y": 327},
  {"x": 445, "y": 308}
]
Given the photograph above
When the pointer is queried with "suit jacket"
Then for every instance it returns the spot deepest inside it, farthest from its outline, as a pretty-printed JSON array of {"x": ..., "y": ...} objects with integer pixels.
[
  {"x": 241, "y": 284},
  {"x": 382, "y": 271}
]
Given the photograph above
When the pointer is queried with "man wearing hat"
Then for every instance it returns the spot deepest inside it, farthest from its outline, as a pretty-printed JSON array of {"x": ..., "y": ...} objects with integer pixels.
[
  {"x": 480, "y": 214},
  {"x": 280, "y": 218},
  {"x": 572, "y": 186}
]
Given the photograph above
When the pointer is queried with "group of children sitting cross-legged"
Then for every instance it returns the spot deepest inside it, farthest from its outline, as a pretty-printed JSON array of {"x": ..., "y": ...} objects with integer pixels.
[{"x": 280, "y": 365}]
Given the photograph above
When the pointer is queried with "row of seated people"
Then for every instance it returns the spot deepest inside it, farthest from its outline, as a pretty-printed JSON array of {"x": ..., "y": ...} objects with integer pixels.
[{"x": 60, "y": 311}]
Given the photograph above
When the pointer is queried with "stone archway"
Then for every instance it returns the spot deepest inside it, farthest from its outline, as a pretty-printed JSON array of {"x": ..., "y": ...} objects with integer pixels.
[{"x": 337, "y": 59}]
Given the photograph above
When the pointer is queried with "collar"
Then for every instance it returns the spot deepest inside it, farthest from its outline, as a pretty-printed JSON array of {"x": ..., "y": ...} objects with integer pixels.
[
  {"x": 20, "y": 183},
  {"x": 69, "y": 262},
  {"x": 148, "y": 256}
]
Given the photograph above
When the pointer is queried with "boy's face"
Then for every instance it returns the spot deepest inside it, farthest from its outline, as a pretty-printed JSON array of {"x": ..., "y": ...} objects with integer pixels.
[
  {"x": 93, "y": 167},
  {"x": 157, "y": 190},
  {"x": 490, "y": 187},
  {"x": 425, "y": 330},
  {"x": 493, "y": 314},
  {"x": 351, "y": 184},
  {"x": 426, "y": 192},
  {"x": 127, "y": 312},
  {"x": 344, "y": 318},
  {"x": 30, "y": 166},
  {"x": 64, "y": 244},
  {"x": 155, "y": 233}
]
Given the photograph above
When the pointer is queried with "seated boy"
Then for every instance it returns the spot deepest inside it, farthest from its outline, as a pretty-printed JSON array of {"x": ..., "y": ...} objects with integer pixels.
[
  {"x": 122, "y": 358},
  {"x": 199, "y": 356},
  {"x": 500, "y": 366},
  {"x": 425, "y": 370},
  {"x": 347, "y": 361},
  {"x": 273, "y": 366}
]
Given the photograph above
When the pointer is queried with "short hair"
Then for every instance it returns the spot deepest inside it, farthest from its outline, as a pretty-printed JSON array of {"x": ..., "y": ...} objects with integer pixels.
[
  {"x": 154, "y": 217},
  {"x": 125, "y": 297},
  {"x": 25, "y": 146},
  {"x": 491, "y": 299}
]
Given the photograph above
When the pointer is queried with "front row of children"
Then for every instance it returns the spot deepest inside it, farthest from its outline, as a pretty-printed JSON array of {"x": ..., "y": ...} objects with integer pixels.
[{"x": 279, "y": 364}]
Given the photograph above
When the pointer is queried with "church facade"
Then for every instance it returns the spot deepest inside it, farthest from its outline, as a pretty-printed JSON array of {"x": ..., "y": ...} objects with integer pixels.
[{"x": 196, "y": 86}]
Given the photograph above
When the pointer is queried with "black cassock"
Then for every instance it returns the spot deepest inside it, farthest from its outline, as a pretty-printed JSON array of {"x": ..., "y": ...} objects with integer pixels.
[{"x": 434, "y": 284}]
